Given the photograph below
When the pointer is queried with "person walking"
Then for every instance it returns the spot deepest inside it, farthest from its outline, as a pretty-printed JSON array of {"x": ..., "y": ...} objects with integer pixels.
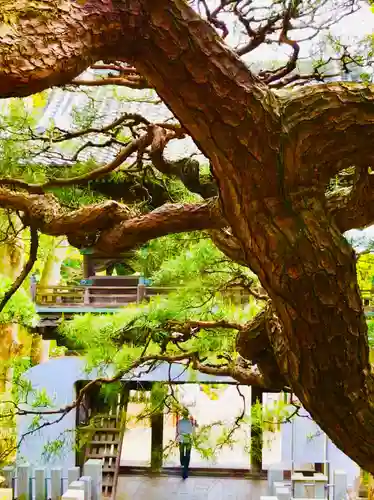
[{"x": 184, "y": 434}]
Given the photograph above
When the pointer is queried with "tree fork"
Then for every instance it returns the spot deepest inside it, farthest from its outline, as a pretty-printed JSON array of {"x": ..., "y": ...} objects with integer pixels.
[{"x": 252, "y": 343}]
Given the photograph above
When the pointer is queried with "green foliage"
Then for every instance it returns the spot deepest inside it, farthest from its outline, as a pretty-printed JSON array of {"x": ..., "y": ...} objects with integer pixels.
[
  {"x": 41, "y": 399},
  {"x": 370, "y": 324},
  {"x": 158, "y": 396},
  {"x": 365, "y": 271},
  {"x": 199, "y": 272},
  {"x": 19, "y": 309},
  {"x": 54, "y": 449},
  {"x": 71, "y": 268}
]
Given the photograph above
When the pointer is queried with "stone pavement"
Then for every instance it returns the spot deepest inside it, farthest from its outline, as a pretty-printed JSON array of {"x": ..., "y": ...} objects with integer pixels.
[{"x": 193, "y": 488}]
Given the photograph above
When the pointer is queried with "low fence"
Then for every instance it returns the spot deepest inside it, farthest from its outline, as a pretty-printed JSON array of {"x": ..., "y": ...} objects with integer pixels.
[{"x": 28, "y": 483}]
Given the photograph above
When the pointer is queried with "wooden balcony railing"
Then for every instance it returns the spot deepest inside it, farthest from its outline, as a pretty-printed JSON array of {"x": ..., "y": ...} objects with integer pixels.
[
  {"x": 117, "y": 296},
  {"x": 96, "y": 296}
]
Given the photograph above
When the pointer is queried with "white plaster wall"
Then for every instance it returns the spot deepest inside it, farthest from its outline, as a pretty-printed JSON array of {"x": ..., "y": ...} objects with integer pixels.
[
  {"x": 58, "y": 377},
  {"x": 307, "y": 443}
]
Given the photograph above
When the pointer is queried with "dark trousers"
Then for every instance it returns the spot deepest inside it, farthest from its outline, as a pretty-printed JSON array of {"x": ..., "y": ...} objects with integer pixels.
[{"x": 185, "y": 456}]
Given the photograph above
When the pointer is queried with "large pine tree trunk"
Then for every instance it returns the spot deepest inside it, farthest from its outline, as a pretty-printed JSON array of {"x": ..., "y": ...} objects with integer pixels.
[
  {"x": 308, "y": 269},
  {"x": 271, "y": 161}
]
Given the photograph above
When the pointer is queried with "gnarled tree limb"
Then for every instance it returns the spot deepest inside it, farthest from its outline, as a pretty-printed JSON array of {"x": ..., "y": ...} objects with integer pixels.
[
  {"x": 249, "y": 375},
  {"x": 316, "y": 118},
  {"x": 253, "y": 344},
  {"x": 162, "y": 221},
  {"x": 110, "y": 226},
  {"x": 228, "y": 244},
  {"x": 354, "y": 209},
  {"x": 131, "y": 81}
]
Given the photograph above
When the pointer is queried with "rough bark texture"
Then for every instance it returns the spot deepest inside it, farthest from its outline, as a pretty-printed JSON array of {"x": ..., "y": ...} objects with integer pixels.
[
  {"x": 271, "y": 157},
  {"x": 110, "y": 226}
]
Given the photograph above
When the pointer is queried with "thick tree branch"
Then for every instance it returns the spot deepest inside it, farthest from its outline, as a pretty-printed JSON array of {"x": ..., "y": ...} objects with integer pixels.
[
  {"x": 253, "y": 344},
  {"x": 118, "y": 74},
  {"x": 187, "y": 170},
  {"x": 244, "y": 375},
  {"x": 315, "y": 120},
  {"x": 208, "y": 324},
  {"x": 229, "y": 245},
  {"x": 44, "y": 212},
  {"x": 162, "y": 221},
  {"x": 110, "y": 225},
  {"x": 34, "y": 244},
  {"x": 354, "y": 209},
  {"x": 131, "y": 81},
  {"x": 133, "y": 29}
]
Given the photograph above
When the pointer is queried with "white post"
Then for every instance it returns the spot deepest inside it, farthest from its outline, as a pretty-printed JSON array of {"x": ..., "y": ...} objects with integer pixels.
[
  {"x": 277, "y": 485},
  {"x": 320, "y": 485},
  {"x": 268, "y": 498},
  {"x": 78, "y": 485},
  {"x": 319, "y": 490},
  {"x": 23, "y": 482},
  {"x": 94, "y": 468},
  {"x": 6, "y": 494},
  {"x": 8, "y": 473},
  {"x": 340, "y": 485},
  {"x": 298, "y": 485},
  {"x": 283, "y": 493},
  {"x": 56, "y": 483},
  {"x": 73, "y": 474},
  {"x": 274, "y": 475},
  {"x": 40, "y": 485},
  {"x": 87, "y": 480},
  {"x": 73, "y": 495}
]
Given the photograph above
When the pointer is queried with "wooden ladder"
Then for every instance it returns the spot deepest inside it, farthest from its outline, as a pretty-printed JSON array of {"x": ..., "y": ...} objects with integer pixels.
[{"x": 106, "y": 439}]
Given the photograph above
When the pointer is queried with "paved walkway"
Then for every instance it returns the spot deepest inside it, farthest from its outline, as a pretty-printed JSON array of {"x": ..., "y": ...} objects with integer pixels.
[{"x": 193, "y": 488}]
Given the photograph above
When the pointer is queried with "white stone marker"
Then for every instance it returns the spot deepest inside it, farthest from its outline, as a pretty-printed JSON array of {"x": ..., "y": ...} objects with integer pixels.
[
  {"x": 78, "y": 485},
  {"x": 8, "y": 473},
  {"x": 73, "y": 474},
  {"x": 283, "y": 493},
  {"x": 56, "y": 483},
  {"x": 6, "y": 494},
  {"x": 279, "y": 484},
  {"x": 23, "y": 482},
  {"x": 340, "y": 485},
  {"x": 94, "y": 468},
  {"x": 87, "y": 480},
  {"x": 320, "y": 485},
  {"x": 40, "y": 485},
  {"x": 73, "y": 495},
  {"x": 269, "y": 498},
  {"x": 274, "y": 475}
]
